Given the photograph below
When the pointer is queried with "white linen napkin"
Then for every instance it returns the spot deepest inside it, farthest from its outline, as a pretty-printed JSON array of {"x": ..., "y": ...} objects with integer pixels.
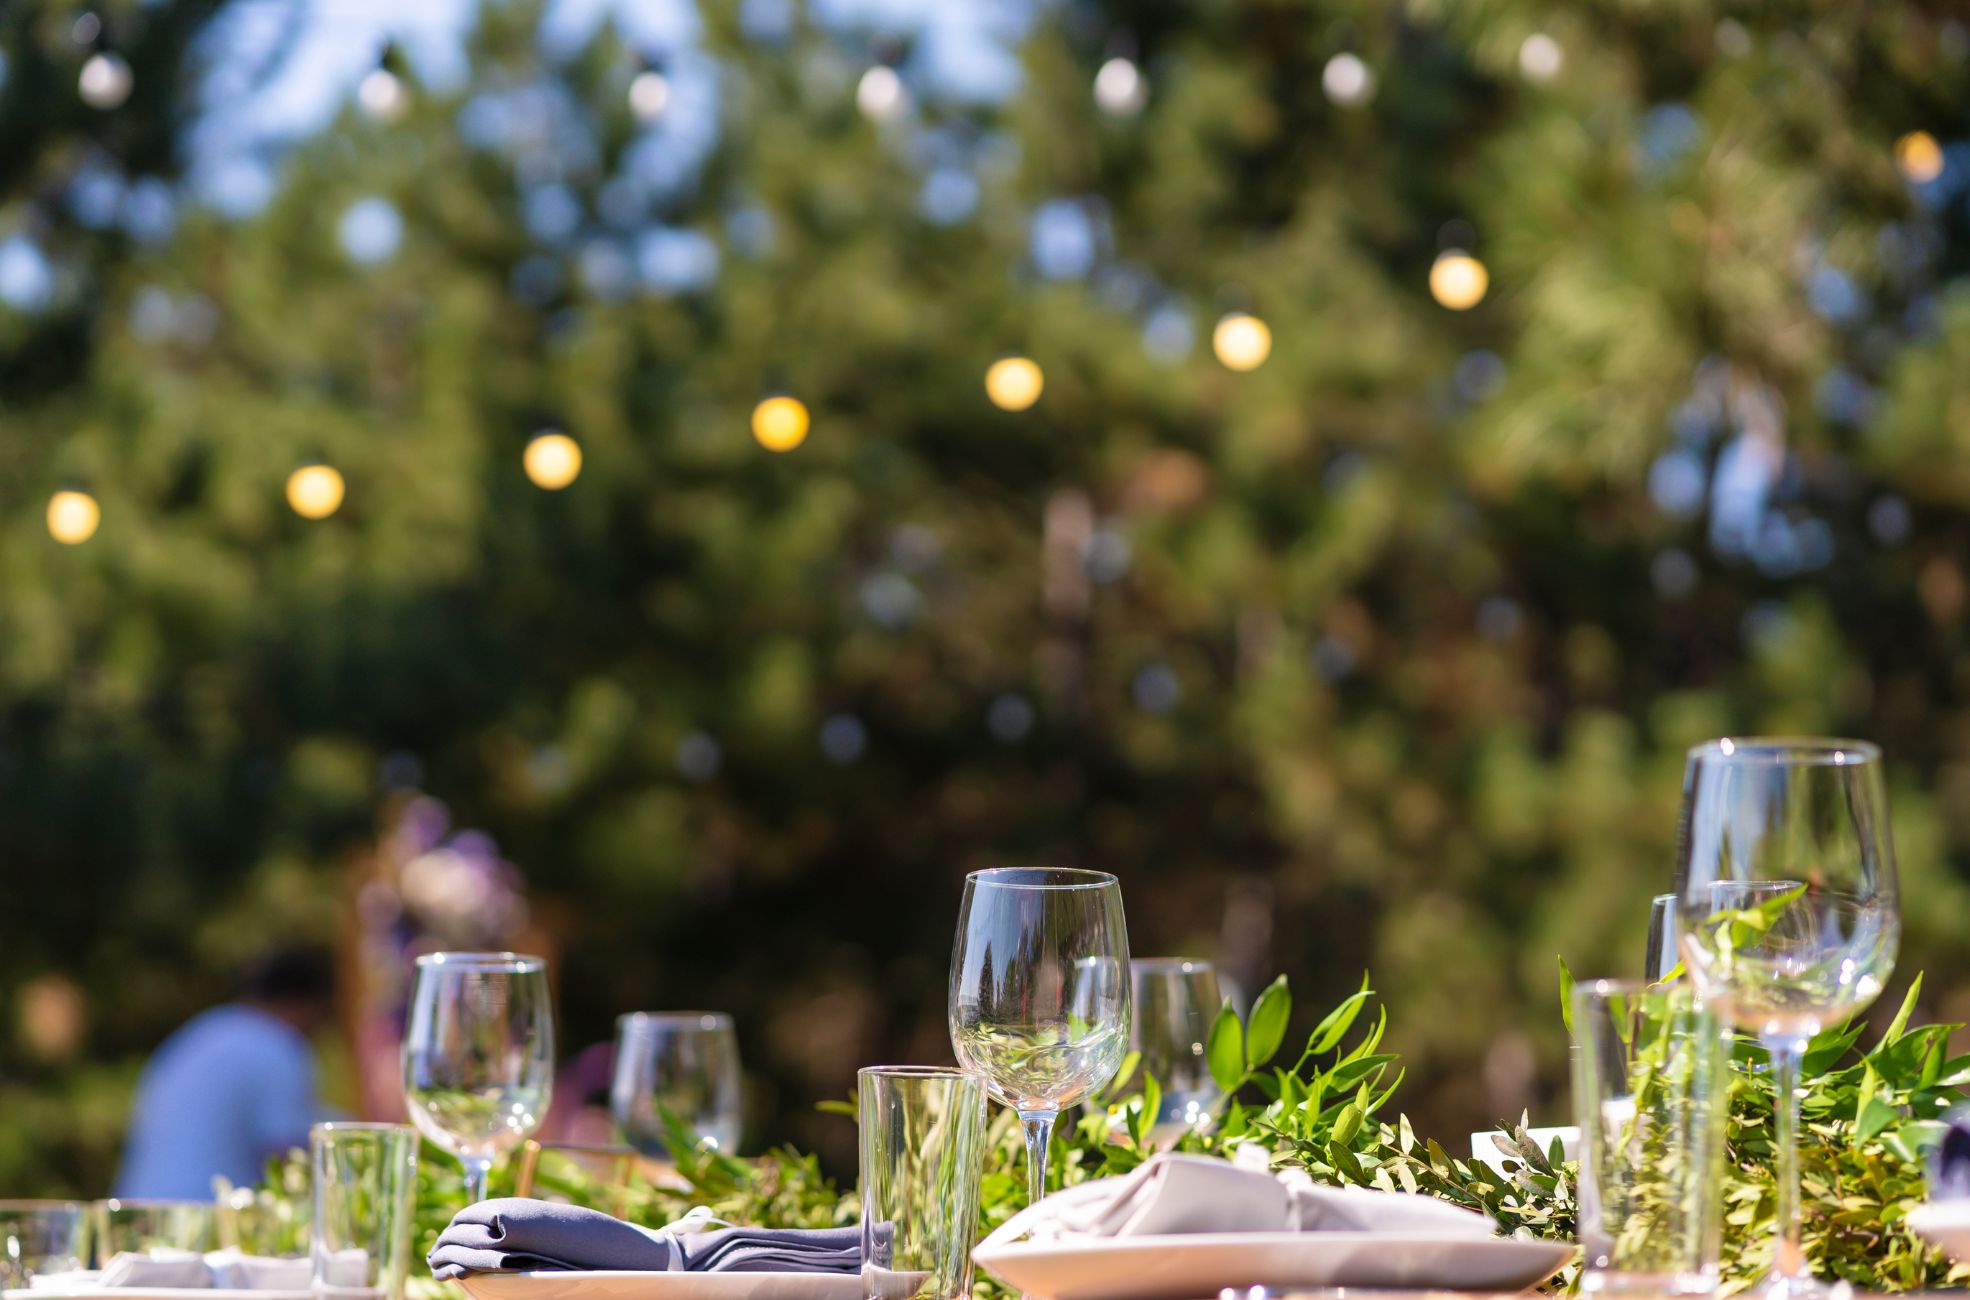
[
  {"x": 158, "y": 1267},
  {"x": 233, "y": 1270},
  {"x": 225, "y": 1270},
  {"x": 1175, "y": 1195}
]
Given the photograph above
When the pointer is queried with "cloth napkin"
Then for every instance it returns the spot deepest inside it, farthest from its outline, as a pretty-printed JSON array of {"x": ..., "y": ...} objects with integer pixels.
[
  {"x": 1949, "y": 1176},
  {"x": 223, "y": 1270},
  {"x": 158, "y": 1266},
  {"x": 1173, "y": 1195},
  {"x": 520, "y": 1235}
]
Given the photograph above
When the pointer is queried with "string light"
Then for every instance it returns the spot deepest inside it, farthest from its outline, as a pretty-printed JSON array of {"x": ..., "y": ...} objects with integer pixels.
[
  {"x": 1119, "y": 89},
  {"x": 105, "y": 81},
  {"x": 1919, "y": 157},
  {"x": 552, "y": 460},
  {"x": 1242, "y": 341},
  {"x": 73, "y": 517},
  {"x": 880, "y": 94},
  {"x": 780, "y": 423},
  {"x": 382, "y": 96},
  {"x": 315, "y": 491},
  {"x": 1458, "y": 280},
  {"x": 649, "y": 96},
  {"x": 1014, "y": 383}
]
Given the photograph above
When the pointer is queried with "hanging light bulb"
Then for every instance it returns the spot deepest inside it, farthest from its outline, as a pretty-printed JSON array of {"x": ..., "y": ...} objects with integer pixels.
[
  {"x": 382, "y": 95},
  {"x": 1119, "y": 89},
  {"x": 780, "y": 423},
  {"x": 1014, "y": 383},
  {"x": 880, "y": 94},
  {"x": 649, "y": 95},
  {"x": 1919, "y": 157},
  {"x": 73, "y": 517},
  {"x": 1242, "y": 341},
  {"x": 1458, "y": 280},
  {"x": 105, "y": 81},
  {"x": 552, "y": 460},
  {"x": 315, "y": 491}
]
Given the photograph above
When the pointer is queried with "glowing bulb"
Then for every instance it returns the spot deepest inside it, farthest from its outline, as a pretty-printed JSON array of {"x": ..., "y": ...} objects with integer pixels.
[
  {"x": 1014, "y": 383},
  {"x": 649, "y": 96},
  {"x": 1347, "y": 80},
  {"x": 1540, "y": 57},
  {"x": 1242, "y": 342},
  {"x": 382, "y": 95},
  {"x": 105, "y": 81},
  {"x": 315, "y": 491},
  {"x": 880, "y": 94},
  {"x": 1919, "y": 157},
  {"x": 72, "y": 517},
  {"x": 552, "y": 460},
  {"x": 1119, "y": 89},
  {"x": 780, "y": 423},
  {"x": 1458, "y": 280}
]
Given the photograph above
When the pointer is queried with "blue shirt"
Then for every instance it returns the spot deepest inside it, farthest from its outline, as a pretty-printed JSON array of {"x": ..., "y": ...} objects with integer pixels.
[{"x": 232, "y": 1087}]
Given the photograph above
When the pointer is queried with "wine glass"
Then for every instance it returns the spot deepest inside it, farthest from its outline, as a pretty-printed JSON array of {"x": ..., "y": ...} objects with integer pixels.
[
  {"x": 1173, "y": 1001},
  {"x": 1785, "y": 877},
  {"x": 1663, "y": 955},
  {"x": 479, "y": 1055},
  {"x": 684, "y": 1064},
  {"x": 1040, "y": 992}
]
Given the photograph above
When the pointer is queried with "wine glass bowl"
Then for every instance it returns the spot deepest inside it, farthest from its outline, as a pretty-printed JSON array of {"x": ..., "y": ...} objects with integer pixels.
[
  {"x": 478, "y": 1055},
  {"x": 681, "y": 1067},
  {"x": 1172, "y": 1004}
]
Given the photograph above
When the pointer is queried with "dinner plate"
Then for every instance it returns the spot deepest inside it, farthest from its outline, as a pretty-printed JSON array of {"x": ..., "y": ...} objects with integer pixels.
[
  {"x": 600, "y": 1285},
  {"x": 92, "y": 1290},
  {"x": 1945, "y": 1224},
  {"x": 1167, "y": 1268}
]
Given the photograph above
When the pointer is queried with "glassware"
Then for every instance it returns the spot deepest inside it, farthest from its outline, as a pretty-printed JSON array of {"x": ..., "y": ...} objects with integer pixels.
[
  {"x": 479, "y": 1055},
  {"x": 1785, "y": 875},
  {"x": 1651, "y": 1089},
  {"x": 923, "y": 1151},
  {"x": 41, "y": 1237},
  {"x": 1040, "y": 992},
  {"x": 255, "y": 1221},
  {"x": 1172, "y": 1002},
  {"x": 365, "y": 1178},
  {"x": 1662, "y": 956},
  {"x": 681, "y": 1063},
  {"x": 139, "y": 1225}
]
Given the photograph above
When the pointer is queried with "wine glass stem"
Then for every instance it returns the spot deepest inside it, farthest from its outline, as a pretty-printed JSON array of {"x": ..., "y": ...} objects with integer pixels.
[
  {"x": 1039, "y": 1133},
  {"x": 478, "y": 1169},
  {"x": 1788, "y": 1260}
]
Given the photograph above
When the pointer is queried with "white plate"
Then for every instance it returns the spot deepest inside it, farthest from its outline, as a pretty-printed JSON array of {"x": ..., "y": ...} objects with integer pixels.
[
  {"x": 599, "y": 1285},
  {"x": 96, "y": 1291},
  {"x": 1167, "y": 1268},
  {"x": 1945, "y": 1224}
]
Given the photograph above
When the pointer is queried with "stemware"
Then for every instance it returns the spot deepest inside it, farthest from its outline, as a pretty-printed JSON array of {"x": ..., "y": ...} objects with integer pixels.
[
  {"x": 1040, "y": 992},
  {"x": 479, "y": 1055},
  {"x": 1172, "y": 1002},
  {"x": 680, "y": 1064},
  {"x": 1786, "y": 904},
  {"x": 1662, "y": 956}
]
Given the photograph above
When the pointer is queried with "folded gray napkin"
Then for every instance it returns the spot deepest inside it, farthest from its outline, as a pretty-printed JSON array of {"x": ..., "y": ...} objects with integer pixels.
[
  {"x": 518, "y": 1235},
  {"x": 1172, "y": 1194}
]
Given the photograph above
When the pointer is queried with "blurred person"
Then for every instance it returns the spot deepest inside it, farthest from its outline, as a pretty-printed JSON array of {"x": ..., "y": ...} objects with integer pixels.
[{"x": 233, "y": 1086}]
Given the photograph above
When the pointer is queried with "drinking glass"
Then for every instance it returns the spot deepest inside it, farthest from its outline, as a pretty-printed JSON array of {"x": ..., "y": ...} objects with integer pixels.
[
  {"x": 479, "y": 1055},
  {"x": 39, "y": 1237},
  {"x": 365, "y": 1184},
  {"x": 1040, "y": 992},
  {"x": 1172, "y": 1002},
  {"x": 1651, "y": 1088},
  {"x": 923, "y": 1150},
  {"x": 684, "y": 1064},
  {"x": 138, "y": 1225},
  {"x": 1662, "y": 956},
  {"x": 1786, "y": 899}
]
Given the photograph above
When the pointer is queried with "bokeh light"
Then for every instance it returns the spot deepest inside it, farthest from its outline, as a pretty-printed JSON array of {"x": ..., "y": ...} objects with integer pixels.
[
  {"x": 382, "y": 96},
  {"x": 1242, "y": 341},
  {"x": 315, "y": 491},
  {"x": 105, "y": 81},
  {"x": 880, "y": 94},
  {"x": 1540, "y": 57},
  {"x": 1348, "y": 81},
  {"x": 73, "y": 517},
  {"x": 552, "y": 460},
  {"x": 1458, "y": 280},
  {"x": 649, "y": 96},
  {"x": 1119, "y": 89},
  {"x": 1919, "y": 157},
  {"x": 1014, "y": 383},
  {"x": 780, "y": 423}
]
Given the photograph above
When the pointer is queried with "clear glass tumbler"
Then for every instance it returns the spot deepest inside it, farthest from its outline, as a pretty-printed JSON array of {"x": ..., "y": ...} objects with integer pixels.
[
  {"x": 138, "y": 1226},
  {"x": 1651, "y": 1087},
  {"x": 41, "y": 1237},
  {"x": 923, "y": 1151},
  {"x": 365, "y": 1179}
]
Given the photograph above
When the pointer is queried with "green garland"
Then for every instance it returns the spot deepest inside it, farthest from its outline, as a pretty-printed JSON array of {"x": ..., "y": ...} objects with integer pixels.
[{"x": 1869, "y": 1119}]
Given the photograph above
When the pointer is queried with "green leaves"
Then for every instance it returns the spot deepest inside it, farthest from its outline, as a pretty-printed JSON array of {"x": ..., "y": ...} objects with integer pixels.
[
  {"x": 1267, "y": 1027},
  {"x": 1225, "y": 1051}
]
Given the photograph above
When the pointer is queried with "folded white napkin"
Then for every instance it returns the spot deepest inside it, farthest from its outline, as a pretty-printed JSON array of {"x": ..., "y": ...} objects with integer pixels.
[
  {"x": 1174, "y": 1195},
  {"x": 159, "y": 1266},
  {"x": 235, "y": 1271},
  {"x": 228, "y": 1270}
]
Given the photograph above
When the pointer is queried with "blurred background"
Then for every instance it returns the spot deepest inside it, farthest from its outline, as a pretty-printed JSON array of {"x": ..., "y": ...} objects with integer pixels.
[{"x": 674, "y": 487}]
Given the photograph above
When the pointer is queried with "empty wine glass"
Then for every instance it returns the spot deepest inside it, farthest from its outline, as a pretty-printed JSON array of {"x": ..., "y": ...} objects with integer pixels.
[
  {"x": 1662, "y": 955},
  {"x": 1040, "y": 992},
  {"x": 1172, "y": 1002},
  {"x": 1787, "y": 910},
  {"x": 479, "y": 1055},
  {"x": 684, "y": 1064}
]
